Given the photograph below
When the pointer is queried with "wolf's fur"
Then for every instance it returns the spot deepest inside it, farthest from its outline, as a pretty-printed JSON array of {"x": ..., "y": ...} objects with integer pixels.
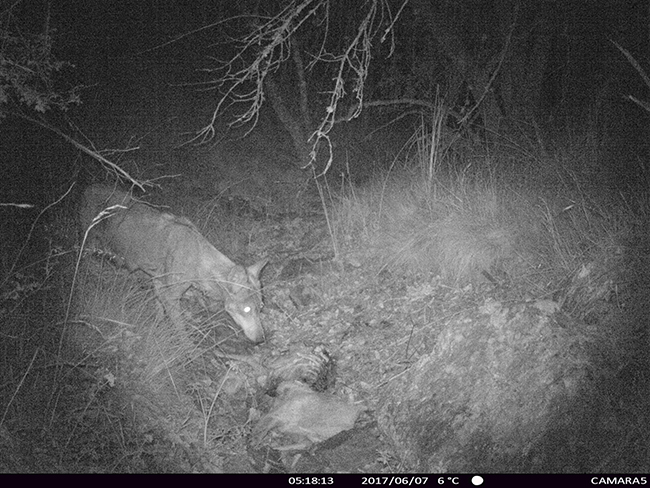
[{"x": 174, "y": 253}]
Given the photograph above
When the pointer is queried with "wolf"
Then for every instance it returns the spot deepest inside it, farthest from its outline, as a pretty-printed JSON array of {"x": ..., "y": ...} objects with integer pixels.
[{"x": 172, "y": 251}]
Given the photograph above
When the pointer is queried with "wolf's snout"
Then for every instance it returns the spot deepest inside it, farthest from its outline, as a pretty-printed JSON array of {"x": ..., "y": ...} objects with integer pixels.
[
  {"x": 247, "y": 317},
  {"x": 255, "y": 336}
]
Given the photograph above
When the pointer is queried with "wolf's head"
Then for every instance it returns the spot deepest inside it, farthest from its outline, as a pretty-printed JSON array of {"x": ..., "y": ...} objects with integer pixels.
[{"x": 244, "y": 299}]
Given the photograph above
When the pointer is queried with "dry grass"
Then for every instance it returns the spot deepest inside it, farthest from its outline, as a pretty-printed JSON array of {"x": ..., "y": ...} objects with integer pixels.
[
  {"x": 115, "y": 389},
  {"x": 542, "y": 226},
  {"x": 109, "y": 390},
  {"x": 529, "y": 229}
]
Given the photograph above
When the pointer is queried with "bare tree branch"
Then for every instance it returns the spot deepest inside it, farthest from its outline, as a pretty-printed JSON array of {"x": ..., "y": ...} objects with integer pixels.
[
  {"x": 270, "y": 44},
  {"x": 270, "y": 41},
  {"x": 119, "y": 172},
  {"x": 641, "y": 103}
]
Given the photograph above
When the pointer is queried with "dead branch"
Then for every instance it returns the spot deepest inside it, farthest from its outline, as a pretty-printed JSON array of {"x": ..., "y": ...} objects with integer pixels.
[
  {"x": 119, "y": 172},
  {"x": 270, "y": 42}
]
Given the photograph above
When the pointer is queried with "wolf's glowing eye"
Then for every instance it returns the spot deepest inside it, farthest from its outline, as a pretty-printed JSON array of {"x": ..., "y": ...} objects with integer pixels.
[{"x": 247, "y": 310}]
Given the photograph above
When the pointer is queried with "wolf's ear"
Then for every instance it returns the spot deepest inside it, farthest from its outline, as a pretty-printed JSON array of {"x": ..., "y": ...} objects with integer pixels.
[{"x": 255, "y": 269}]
